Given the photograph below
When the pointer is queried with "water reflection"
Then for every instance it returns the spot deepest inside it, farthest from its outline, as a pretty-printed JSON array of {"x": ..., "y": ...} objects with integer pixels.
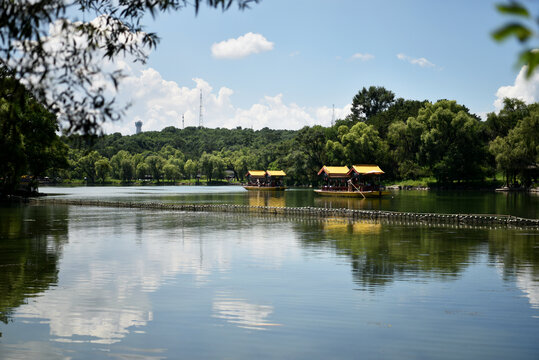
[
  {"x": 107, "y": 278},
  {"x": 267, "y": 198},
  {"x": 527, "y": 282},
  {"x": 348, "y": 227},
  {"x": 185, "y": 283},
  {"x": 453, "y": 202},
  {"x": 381, "y": 254},
  {"x": 99, "y": 300},
  {"x": 517, "y": 255},
  {"x": 241, "y": 313},
  {"x": 31, "y": 241},
  {"x": 352, "y": 203}
]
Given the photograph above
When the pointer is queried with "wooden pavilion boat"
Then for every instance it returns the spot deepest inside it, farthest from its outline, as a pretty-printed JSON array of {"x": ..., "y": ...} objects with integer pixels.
[
  {"x": 269, "y": 180},
  {"x": 335, "y": 178},
  {"x": 362, "y": 181},
  {"x": 366, "y": 180}
]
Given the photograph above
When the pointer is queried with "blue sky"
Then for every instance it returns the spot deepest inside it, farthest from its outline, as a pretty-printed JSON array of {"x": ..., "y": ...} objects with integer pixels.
[{"x": 316, "y": 53}]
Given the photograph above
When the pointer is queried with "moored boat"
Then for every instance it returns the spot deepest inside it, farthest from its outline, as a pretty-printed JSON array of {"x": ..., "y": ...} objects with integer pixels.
[
  {"x": 269, "y": 180},
  {"x": 362, "y": 181}
]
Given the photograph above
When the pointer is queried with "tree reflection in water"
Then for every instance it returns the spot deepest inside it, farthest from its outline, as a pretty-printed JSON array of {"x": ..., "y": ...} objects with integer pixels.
[
  {"x": 382, "y": 253},
  {"x": 168, "y": 283},
  {"x": 31, "y": 240}
]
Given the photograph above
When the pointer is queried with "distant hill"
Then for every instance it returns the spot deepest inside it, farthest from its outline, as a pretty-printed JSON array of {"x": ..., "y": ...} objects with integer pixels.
[{"x": 192, "y": 141}]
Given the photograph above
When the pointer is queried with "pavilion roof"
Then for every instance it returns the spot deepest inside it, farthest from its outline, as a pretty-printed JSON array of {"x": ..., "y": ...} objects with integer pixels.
[
  {"x": 256, "y": 173},
  {"x": 275, "y": 173},
  {"x": 366, "y": 169},
  {"x": 334, "y": 171}
]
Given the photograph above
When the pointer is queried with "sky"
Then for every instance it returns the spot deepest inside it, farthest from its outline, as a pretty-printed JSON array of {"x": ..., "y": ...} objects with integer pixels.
[{"x": 287, "y": 64}]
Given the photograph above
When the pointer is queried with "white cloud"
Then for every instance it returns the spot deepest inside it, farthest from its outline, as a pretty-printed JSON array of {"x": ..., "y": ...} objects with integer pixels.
[
  {"x": 241, "y": 47},
  {"x": 363, "y": 57},
  {"x": 415, "y": 61},
  {"x": 159, "y": 103},
  {"x": 273, "y": 113},
  {"x": 524, "y": 89}
]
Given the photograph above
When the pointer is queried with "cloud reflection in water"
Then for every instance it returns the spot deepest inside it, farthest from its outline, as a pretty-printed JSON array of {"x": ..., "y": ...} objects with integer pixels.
[
  {"x": 106, "y": 278},
  {"x": 242, "y": 314}
]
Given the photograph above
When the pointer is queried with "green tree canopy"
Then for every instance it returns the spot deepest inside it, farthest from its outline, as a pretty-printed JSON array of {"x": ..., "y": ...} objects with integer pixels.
[
  {"x": 500, "y": 124},
  {"x": 155, "y": 165},
  {"x": 102, "y": 169},
  {"x": 171, "y": 171},
  {"x": 405, "y": 140},
  {"x": 453, "y": 144},
  {"x": 369, "y": 102},
  {"x": 127, "y": 169},
  {"x": 517, "y": 154},
  {"x": 87, "y": 165},
  {"x": 29, "y": 144},
  {"x": 191, "y": 168},
  {"x": 143, "y": 170},
  {"x": 122, "y": 166},
  {"x": 400, "y": 110},
  {"x": 312, "y": 142}
]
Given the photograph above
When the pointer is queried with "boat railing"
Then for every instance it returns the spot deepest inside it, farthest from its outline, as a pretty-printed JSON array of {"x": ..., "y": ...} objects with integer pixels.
[{"x": 334, "y": 188}]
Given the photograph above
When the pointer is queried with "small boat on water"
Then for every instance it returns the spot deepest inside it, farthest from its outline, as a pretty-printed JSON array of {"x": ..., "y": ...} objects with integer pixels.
[
  {"x": 362, "y": 181},
  {"x": 269, "y": 180}
]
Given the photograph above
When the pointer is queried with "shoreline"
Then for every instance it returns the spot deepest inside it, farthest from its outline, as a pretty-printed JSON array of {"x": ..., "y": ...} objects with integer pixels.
[{"x": 422, "y": 187}]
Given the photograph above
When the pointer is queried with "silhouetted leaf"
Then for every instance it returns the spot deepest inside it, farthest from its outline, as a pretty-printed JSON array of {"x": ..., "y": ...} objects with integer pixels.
[
  {"x": 531, "y": 59},
  {"x": 521, "y": 32},
  {"x": 513, "y": 8}
]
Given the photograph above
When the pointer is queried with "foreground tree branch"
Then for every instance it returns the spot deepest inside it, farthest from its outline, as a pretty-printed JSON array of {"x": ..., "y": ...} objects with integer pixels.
[{"x": 59, "y": 57}]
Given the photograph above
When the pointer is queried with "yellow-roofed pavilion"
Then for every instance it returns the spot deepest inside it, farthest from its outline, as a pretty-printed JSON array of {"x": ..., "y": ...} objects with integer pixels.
[
  {"x": 265, "y": 180},
  {"x": 358, "y": 181}
]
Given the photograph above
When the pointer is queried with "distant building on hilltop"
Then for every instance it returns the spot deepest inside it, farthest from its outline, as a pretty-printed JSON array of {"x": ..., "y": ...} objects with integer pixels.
[{"x": 138, "y": 124}]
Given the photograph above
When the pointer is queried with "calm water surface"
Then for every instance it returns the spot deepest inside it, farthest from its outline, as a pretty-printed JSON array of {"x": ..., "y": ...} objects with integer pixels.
[
  {"x": 97, "y": 283},
  {"x": 451, "y": 202}
]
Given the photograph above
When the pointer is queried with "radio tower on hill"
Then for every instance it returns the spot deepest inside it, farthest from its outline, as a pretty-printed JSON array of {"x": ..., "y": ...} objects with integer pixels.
[
  {"x": 333, "y": 116},
  {"x": 200, "y": 122}
]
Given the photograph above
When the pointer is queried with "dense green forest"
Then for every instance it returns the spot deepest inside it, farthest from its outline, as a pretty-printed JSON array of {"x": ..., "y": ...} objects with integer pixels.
[
  {"x": 408, "y": 139},
  {"x": 29, "y": 144}
]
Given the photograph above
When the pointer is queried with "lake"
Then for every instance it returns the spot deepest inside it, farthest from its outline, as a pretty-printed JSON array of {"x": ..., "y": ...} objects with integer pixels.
[
  {"x": 84, "y": 282},
  {"x": 451, "y": 202}
]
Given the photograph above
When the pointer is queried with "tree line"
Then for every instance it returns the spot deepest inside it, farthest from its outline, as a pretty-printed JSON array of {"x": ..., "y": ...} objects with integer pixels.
[{"x": 408, "y": 139}]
